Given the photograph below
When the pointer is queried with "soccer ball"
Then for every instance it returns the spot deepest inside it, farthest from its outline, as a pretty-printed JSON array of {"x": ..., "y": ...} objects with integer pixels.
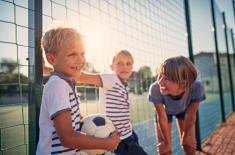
[{"x": 99, "y": 126}]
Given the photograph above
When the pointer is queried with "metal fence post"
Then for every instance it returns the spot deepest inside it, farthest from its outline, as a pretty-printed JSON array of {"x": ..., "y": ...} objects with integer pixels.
[
  {"x": 190, "y": 48},
  {"x": 218, "y": 61},
  {"x": 35, "y": 74},
  {"x": 228, "y": 59},
  {"x": 233, "y": 49}
]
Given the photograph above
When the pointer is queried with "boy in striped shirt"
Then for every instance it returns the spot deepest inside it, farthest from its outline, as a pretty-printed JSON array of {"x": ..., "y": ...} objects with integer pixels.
[
  {"x": 59, "y": 119},
  {"x": 114, "y": 100}
]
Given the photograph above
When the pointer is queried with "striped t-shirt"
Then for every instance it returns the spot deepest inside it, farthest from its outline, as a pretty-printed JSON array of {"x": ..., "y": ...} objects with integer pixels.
[
  {"x": 115, "y": 104},
  {"x": 59, "y": 95}
]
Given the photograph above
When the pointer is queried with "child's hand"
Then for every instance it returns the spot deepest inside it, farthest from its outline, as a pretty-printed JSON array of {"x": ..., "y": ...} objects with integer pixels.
[
  {"x": 81, "y": 117},
  {"x": 188, "y": 141},
  {"x": 164, "y": 149},
  {"x": 114, "y": 141}
]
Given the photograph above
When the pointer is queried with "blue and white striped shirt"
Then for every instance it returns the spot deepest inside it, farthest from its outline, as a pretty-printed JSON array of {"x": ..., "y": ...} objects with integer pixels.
[{"x": 115, "y": 104}]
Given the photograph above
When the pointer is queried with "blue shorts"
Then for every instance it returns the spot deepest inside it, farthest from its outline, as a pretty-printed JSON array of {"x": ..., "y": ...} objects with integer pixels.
[
  {"x": 179, "y": 116},
  {"x": 130, "y": 146}
]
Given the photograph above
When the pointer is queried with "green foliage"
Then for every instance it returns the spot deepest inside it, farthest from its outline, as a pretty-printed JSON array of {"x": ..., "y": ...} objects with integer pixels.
[
  {"x": 9, "y": 65},
  {"x": 89, "y": 67},
  {"x": 10, "y": 79},
  {"x": 145, "y": 72},
  {"x": 146, "y": 77}
]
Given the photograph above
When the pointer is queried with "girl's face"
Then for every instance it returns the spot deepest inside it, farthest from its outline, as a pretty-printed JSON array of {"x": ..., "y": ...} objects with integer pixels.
[
  {"x": 122, "y": 66},
  {"x": 169, "y": 87}
]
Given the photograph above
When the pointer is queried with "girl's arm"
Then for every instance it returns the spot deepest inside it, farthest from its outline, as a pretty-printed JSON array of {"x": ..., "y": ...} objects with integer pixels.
[
  {"x": 190, "y": 118},
  {"x": 71, "y": 139},
  {"x": 88, "y": 78},
  {"x": 164, "y": 127},
  {"x": 189, "y": 126}
]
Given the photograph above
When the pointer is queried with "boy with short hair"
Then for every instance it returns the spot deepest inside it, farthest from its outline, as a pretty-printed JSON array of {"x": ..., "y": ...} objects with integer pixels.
[
  {"x": 59, "y": 119},
  {"x": 114, "y": 100}
]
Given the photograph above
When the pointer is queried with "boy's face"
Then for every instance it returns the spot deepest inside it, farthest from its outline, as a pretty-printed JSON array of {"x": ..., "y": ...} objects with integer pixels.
[
  {"x": 122, "y": 66},
  {"x": 69, "y": 60}
]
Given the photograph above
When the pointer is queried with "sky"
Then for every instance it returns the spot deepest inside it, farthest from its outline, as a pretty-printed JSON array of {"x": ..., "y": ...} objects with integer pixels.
[
  {"x": 202, "y": 27},
  {"x": 227, "y": 5},
  {"x": 98, "y": 37}
]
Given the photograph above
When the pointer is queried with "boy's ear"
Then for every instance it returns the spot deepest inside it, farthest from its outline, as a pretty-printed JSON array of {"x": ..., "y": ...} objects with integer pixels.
[
  {"x": 111, "y": 67},
  {"x": 50, "y": 58}
]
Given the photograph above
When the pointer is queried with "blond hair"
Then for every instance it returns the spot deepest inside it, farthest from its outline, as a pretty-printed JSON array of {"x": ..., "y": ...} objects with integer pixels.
[
  {"x": 122, "y": 52},
  {"x": 56, "y": 38},
  {"x": 178, "y": 69}
]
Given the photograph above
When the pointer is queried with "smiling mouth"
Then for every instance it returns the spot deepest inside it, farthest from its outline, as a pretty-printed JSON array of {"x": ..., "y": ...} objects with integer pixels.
[
  {"x": 124, "y": 72},
  {"x": 76, "y": 68}
]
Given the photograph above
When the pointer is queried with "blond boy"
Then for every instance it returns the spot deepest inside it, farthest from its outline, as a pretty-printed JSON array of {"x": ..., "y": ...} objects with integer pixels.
[
  {"x": 59, "y": 119},
  {"x": 114, "y": 100}
]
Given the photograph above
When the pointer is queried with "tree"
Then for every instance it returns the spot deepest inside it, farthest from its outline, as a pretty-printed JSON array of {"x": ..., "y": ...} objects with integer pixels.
[
  {"x": 146, "y": 75},
  {"x": 7, "y": 65},
  {"x": 10, "y": 77},
  {"x": 89, "y": 67},
  {"x": 145, "y": 72}
]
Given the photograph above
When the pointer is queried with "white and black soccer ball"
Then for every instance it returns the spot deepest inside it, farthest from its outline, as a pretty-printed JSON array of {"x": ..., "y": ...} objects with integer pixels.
[{"x": 99, "y": 126}]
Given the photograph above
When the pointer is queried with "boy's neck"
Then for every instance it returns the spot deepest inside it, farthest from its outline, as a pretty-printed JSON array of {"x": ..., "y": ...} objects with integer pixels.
[
  {"x": 124, "y": 82},
  {"x": 61, "y": 75}
]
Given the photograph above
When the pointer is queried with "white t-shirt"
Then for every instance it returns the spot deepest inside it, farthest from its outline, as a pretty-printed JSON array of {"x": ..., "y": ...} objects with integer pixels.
[
  {"x": 115, "y": 104},
  {"x": 58, "y": 96}
]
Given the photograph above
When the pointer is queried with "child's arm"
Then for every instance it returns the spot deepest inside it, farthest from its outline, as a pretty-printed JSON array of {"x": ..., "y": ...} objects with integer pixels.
[
  {"x": 71, "y": 139},
  {"x": 189, "y": 123},
  {"x": 164, "y": 127},
  {"x": 88, "y": 78}
]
